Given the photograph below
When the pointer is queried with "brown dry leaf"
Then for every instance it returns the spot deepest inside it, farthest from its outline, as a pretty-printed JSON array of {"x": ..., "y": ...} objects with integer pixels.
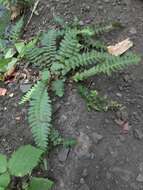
[
  {"x": 9, "y": 72},
  {"x": 120, "y": 48},
  {"x": 15, "y": 11},
  {"x": 3, "y": 91},
  {"x": 124, "y": 125}
]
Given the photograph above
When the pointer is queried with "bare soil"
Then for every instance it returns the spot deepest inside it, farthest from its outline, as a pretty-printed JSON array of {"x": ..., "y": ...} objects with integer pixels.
[{"x": 104, "y": 158}]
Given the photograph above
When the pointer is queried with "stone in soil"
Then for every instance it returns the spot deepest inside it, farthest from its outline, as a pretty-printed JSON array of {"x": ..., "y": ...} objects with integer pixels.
[
  {"x": 138, "y": 134},
  {"x": 63, "y": 154},
  {"x": 97, "y": 137}
]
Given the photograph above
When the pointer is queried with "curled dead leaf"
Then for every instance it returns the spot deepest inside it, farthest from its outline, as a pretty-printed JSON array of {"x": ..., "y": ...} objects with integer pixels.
[{"x": 120, "y": 48}]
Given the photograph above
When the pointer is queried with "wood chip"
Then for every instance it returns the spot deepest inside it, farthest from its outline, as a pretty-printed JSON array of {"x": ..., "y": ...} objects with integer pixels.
[{"x": 120, "y": 48}]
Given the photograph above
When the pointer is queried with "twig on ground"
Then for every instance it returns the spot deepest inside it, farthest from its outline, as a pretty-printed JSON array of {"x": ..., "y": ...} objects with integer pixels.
[{"x": 33, "y": 10}]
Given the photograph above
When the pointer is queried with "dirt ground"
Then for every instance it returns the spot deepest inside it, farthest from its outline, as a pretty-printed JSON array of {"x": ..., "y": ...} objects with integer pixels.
[{"x": 104, "y": 158}]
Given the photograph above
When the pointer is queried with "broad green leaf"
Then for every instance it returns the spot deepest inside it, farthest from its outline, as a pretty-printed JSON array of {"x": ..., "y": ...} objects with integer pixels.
[
  {"x": 1, "y": 188},
  {"x": 10, "y": 53},
  {"x": 3, "y": 45},
  {"x": 58, "y": 87},
  {"x": 40, "y": 184},
  {"x": 3, "y": 65},
  {"x": 20, "y": 47},
  {"x": 12, "y": 64},
  {"x": 4, "y": 180},
  {"x": 24, "y": 160},
  {"x": 7, "y": 69},
  {"x": 3, "y": 163}
]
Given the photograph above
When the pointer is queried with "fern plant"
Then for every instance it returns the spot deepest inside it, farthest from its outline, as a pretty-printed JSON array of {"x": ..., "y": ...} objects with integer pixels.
[{"x": 62, "y": 53}]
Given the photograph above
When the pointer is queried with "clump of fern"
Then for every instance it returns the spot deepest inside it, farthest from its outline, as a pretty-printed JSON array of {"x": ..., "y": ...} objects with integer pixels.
[{"x": 66, "y": 53}]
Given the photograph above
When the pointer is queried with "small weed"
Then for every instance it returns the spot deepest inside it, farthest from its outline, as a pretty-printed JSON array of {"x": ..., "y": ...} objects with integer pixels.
[{"x": 96, "y": 102}]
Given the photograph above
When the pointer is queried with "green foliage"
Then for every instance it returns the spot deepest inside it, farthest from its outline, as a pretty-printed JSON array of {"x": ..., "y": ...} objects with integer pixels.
[
  {"x": 29, "y": 94},
  {"x": 39, "y": 115},
  {"x": 109, "y": 65},
  {"x": 40, "y": 183},
  {"x": 4, "y": 180},
  {"x": 3, "y": 2},
  {"x": 16, "y": 30},
  {"x": 4, "y": 18},
  {"x": 24, "y": 160},
  {"x": 3, "y": 163},
  {"x": 93, "y": 99},
  {"x": 21, "y": 163},
  {"x": 44, "y": 56},
  {"x": 55, "y": 138},
  {"x": 58, "y": 87},
  {"x": 4, "y": 64},
  {"x": 96, "y": 102},
  {"x": 69, "y": 46}
]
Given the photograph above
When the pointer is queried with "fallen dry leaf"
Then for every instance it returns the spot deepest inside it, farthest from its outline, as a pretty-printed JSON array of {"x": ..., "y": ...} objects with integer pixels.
[
  {"x": 124, "y": 125},
  {"x": 15, "y": 11},
  {"x": 10, "y": 72},
  {"x": 120, "y": 48},
  {"x": 3, "y": 91}
]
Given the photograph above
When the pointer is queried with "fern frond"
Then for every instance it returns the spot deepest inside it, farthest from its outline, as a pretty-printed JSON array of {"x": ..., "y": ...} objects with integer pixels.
[
  {"x": 40, "y": 112},
  {"x": 34, "y": 55},
  {"x": 84, "y": 59},
  {"x": 111, "y": 64},
  {"x": 28, "y": 95},
  {"x": 45, "y": 55},
  {"x": 15, "y": 33},
  {"x": 49, "y": 41},
  {"x": 69, "y": 46}
]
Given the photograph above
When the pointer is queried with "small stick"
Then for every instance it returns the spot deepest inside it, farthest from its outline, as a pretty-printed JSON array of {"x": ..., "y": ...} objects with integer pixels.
[{"x": 33, "y": 10}]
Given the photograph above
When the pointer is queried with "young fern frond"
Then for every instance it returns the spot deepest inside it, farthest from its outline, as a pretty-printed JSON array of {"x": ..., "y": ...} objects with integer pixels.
[
  {"x": 39, "y": 115},
  {"x": 110, "y": 65}
]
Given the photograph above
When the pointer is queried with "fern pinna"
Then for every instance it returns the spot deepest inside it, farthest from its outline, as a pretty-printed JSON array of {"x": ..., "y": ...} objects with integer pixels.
[{"x": 62, "y": 53}]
